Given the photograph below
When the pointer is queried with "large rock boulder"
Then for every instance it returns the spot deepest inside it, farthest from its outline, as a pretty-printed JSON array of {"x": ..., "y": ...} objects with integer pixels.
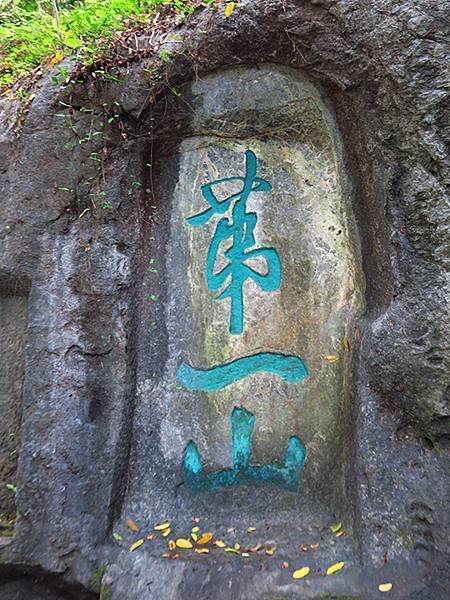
[{"x": 103, "y": 296}]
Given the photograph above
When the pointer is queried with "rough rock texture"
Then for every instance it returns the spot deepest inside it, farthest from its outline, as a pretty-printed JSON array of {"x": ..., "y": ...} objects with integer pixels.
[
  {"x": 78, "y": 221},
  {"x": 22, "y": 583},
  {"x": 13, "y": 322}
]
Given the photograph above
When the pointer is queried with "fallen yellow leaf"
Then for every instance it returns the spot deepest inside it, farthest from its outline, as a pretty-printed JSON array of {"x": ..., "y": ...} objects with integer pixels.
[
  {"x": 136, "y": 544},
  {"x": 300, "y": 573},
  {"x": 346, "y": 344},
  {"x": 220, "y": 543},
  {"x": 245, "y": 554},
  {"x": 270, "y": 550},
  {"x": 202, "y": 550},
  {"x": 166, "y": 532},
  {"x": 251, "y": 529},
  {"x": 194, "y": 536},
  {"x": 341, "y": 532},
  {"x": 183, "y": 543},
  {"x": 132, "y": 525},
  {"x": 232, "y": 550},
  {"x": 163, "y": 526},
  {"x": 331, "y": 358},
  {"x": 55, "y": 59},
  {"x": 385, "y": 587},
  {"x": 336, "y": 527},
  {"x": 206, "y": 537},
  {"x": 195, "y": 529},
  {"x": 229, "y": 8},
  {"x": 336, "y": 567}
]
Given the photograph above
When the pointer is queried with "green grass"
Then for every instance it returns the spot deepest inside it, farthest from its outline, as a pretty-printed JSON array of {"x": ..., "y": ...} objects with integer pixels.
[
  {"x": 33, "y": 31},
  {"x": 97, "y": 578}
]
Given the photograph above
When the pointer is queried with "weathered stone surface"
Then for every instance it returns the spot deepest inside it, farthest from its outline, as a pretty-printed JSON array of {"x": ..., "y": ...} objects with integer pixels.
[
  {"x": 91, "y": 451},
  {"x": 13, "y": 322}
]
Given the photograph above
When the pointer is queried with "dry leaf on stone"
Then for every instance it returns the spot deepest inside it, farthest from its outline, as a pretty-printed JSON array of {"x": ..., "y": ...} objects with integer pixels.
[
  {"x": 300, "y": 573},
  {"x": 334, "y": 568},
  {"x": 314, "y": 546},
  {"x": 220, "y": 543},
  {"x": 251, "y": 529},
  {"x": 341, "y": 533},
  {"x": 202, "y": 550},
  {"x": 162, "y": 526},
  {"x": 171, "y": 545},
  {"x": 304, "y": 548},
  {"x": 173, "y": 556},
  {"x": 255, "y": 548},
  {"x": 232, "y": 550},
  {"x": 183, "y": 543},
  {"x": 206, "y": 537},
  {"x": 245, "y": 554},
  {"x": 166, "y": 532},
  {"x": 150, "y": 537},
  {"x": 269, "y": 550},
  {"x": 346, "y": 344},
  {"x": 331, "y": 358},
  {"x": 229, "y": 8},
  {"x": 132, "y": 525},
  {"x": 385, "y": 587},
  {"x": 136, "y": 544}
]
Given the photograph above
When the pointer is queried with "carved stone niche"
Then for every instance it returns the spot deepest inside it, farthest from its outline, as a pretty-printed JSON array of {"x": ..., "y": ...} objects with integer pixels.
[{"x": 279, "y": 118}]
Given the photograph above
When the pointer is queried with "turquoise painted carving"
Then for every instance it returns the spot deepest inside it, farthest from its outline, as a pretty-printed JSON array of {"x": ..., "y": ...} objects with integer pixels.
[
  {"x": 240, "y": 229},
  {"x": 288, "y": 367},
  {"x": 286, "y": 475}
]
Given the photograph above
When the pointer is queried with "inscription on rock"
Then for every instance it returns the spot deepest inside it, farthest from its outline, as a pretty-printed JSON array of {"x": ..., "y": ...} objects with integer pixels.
[{"x": 263, "y": 283}]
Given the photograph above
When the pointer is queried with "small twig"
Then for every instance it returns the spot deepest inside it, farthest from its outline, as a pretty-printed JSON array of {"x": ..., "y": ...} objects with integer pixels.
[
  {"x": 55, "y": 9},
  {"x": 295, "y": 48}
]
